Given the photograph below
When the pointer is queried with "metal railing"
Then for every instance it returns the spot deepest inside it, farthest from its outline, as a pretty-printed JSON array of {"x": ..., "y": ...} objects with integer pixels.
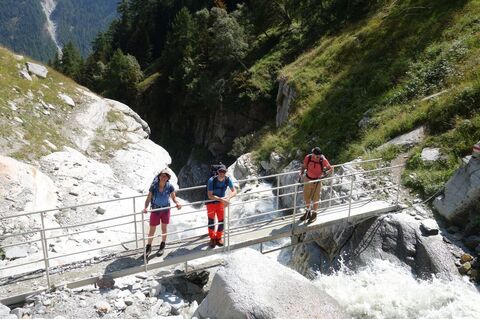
[{"x": 342, "y": 184}]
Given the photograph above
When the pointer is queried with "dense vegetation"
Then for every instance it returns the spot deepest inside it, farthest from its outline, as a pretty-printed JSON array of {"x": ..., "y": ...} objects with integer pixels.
[
  {"x": 22, "y": 25},
  {"x": 179, "y": 62}
]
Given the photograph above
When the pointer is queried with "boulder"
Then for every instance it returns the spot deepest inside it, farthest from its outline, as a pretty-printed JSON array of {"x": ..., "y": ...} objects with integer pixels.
[
  {"x": 394, "y": 237},
  {"x": 37, "y": 69},
  {"x": 429, "y": 227},
  {"x": 407, "y": 140},
  {"x": 461, "y": 195},
  {"x": 245, "y": 167},
  {"x": 285, "y": 96},
  {"x": 289, "y": 179},
  {"x": 268, "y": 290},
  {"x": 430, "y": 155}
]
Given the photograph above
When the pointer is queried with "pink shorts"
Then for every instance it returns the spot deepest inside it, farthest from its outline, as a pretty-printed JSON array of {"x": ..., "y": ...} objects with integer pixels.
[{"x": 162, "y": 215}]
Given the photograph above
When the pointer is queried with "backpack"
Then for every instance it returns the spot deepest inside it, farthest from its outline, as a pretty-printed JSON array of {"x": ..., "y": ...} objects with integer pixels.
[
  {"x": 213, "y": 173},
  {"x": 155, "y": 182},
  {"x": 310, "y": 160}
]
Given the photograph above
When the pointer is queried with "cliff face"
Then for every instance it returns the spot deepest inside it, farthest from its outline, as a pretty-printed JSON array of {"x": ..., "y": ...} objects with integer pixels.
[{"x": 62, "y": 145}]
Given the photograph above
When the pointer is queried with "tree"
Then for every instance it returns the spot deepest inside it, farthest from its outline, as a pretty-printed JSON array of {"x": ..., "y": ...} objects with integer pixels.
[
  {"x": 122, "y": 76},
  {"x": 228, "y": 39},
  {"x": 71, "y": 62}
]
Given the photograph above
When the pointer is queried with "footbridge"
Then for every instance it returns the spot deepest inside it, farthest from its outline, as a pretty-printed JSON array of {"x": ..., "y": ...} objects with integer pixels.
[{"x": 264, "y": 214}]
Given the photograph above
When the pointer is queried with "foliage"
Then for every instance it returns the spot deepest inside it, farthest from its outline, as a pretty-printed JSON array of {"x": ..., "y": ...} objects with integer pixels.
[{"x": 123, "y": 74}]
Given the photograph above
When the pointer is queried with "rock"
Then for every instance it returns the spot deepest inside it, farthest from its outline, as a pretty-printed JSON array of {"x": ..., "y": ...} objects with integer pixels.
[
  {"x": 285, "y": 96},
  {"x": 50, "y": 145},
  {"x": 106, "y": 282},
  {"x": 102, "y": 307},
  {"x": 430, "y": 155},
  {"x": 66, "y": 99},
  {"x": 4, "y": 310},
  {"x": 465, "y": 268},
  {"x": 407, "y": 140},
  {"x": 100, "y": 210},
  {"x": 429, "y": 227},
  {"x": 24, "y": 74},
  {"x": 18, "y": 57},
  {"x": 15, "y": 252},
  {"x": 245, "y": 167},
  {"x": 37, "y": 69},
  {"x": 268, "y": 290},
  {"x": 173, "y": 300},
  {"x": 462, "y": 192},
  {"x": 465, "y": 258},
  {"x": 275, "y": 160}
]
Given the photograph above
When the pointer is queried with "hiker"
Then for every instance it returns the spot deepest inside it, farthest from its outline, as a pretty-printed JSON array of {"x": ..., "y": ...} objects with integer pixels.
[
  {"x": 317, "y": 167},
  {"x": 216, "y": 189},
  {"x": 476, "y": 150},
  {"x": 159, "y": 196}
]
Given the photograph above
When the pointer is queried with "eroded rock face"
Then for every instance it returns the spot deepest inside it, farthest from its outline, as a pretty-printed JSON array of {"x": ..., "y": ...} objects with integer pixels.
[
  {"x": 398, "y": 238},
  {"x": 462, "y": 194},
  {"x": 268, "y": 290}
]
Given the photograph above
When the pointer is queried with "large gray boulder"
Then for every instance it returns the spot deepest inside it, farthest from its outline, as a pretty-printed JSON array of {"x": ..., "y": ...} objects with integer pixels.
[
  {"x": 267, "y": 290},
  {"x": 37, "y": 69},
  {"x": 462, "y": 193},
  {"x": 398, "y": 238}
]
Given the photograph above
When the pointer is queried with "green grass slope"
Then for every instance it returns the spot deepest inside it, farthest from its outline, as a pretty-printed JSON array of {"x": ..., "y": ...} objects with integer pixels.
[{"x": 384, "y": 67}]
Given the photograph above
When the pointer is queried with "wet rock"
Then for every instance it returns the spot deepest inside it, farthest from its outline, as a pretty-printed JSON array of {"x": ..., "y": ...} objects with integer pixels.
[
  {"x": 466, "y": 258},
  {"x": 465, "y": 268}
]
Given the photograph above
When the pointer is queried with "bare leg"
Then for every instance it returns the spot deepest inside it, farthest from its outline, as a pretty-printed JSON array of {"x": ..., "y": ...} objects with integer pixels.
[
  {"x": 164, "y": 232},
  {"x": 151, "y": 233}
]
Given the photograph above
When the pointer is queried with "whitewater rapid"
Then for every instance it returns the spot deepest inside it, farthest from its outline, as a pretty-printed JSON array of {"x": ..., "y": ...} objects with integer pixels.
[{"x": 383, "y": 290}]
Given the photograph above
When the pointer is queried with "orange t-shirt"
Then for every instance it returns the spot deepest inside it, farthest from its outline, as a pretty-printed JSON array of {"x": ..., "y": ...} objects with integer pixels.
[{"x": 314, "y": 166}]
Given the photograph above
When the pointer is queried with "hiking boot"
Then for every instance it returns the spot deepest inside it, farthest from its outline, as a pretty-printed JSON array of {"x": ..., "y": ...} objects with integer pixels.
[
  {"x": 220, "y": 242},
  {"x": 305, "y": 216},
  {"x": 161, "y": 249},
  {"x": 212, "y": 243},
  {"x": 148, "y": 249},
  {"x": 313, "y": 217}
]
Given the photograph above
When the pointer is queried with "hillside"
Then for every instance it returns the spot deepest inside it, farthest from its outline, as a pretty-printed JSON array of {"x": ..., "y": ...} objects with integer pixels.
[
  {"x": 408, "y": 64},
  {"x": 23, "y": 25}
]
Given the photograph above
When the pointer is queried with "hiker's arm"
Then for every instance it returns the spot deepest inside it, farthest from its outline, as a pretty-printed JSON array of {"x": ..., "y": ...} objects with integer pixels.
[
  {"x": 233, "y": 193},
  {"x": 303, "y": 168},
  {"x": 212, "y": 196},
  {"x": 147, "y": 201},
  {"x": 175, "y": 200}
]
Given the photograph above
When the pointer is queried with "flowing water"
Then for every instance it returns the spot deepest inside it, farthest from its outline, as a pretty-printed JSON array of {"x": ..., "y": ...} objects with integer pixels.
[{"x": 383, "y": 290}]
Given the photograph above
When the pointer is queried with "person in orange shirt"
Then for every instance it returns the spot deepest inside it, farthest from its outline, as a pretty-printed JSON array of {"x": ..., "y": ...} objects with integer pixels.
[{"x": 317, "y": 167}]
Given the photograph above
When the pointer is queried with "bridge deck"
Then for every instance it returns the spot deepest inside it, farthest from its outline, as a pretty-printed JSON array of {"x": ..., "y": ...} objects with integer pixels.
[{"x": 16, "y": 288}]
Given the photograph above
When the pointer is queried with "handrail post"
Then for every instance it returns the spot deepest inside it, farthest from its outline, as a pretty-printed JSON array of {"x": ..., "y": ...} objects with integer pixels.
[
  {"x": 143, "y": 239},
  {"x": 294, "y": 207},
  {"x": 45, "y": 250},
  {"x": 331, "y": 188},
  {"x": 135, "y": 223},
  {"x": 228, "y": 227},
  {"x": 350, "y": 198},
  {"x": 278, "y": 191}
]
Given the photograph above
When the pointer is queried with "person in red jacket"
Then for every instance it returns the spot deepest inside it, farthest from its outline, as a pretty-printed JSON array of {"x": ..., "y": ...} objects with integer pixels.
[{"x": 317, "y": 167}]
